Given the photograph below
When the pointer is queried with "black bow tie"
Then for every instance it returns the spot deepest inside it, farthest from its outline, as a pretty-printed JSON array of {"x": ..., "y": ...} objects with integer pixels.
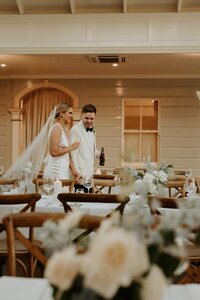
[{"x": 89, "y": 129}]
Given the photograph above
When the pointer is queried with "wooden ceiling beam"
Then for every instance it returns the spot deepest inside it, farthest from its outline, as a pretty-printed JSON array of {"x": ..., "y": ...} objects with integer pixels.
[
  {"x": 72, "y": 6},
  {"x": 20, "y": 6},
  {"x": 179, "y": 5},
  {"x": 125, "y": 6}
]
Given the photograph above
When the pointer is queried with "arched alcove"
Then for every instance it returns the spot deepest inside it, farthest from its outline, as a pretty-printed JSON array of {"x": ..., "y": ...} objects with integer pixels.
[
  {"x": 44, "y": 84},
  {"x": 16, "y": 111}
]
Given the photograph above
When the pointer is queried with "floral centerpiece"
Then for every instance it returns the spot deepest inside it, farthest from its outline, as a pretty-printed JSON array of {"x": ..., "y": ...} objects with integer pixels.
[
  {"x": 25, "y": 177},
  {"x": 133, "y": 259},
  {"x": 152, "y": 181}
]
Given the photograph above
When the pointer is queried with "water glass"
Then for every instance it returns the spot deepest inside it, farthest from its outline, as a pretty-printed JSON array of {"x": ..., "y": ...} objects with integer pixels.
[
  {"x": 188, "y": 173},
  {"x": 88, "y": 183},
  {"x": 48, "y": 185}
]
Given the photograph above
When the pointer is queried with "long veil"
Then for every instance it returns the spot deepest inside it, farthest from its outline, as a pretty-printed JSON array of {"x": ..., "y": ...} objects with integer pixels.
[{"x": 34, "y": 153}]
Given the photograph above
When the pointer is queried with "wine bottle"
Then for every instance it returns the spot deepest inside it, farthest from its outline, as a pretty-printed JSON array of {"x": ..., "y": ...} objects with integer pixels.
[{"x": 102, "y": 157}]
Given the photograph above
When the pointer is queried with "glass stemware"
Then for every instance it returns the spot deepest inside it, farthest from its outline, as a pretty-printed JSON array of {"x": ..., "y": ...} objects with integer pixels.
[
  {"x": 190, "y": 188},
  {"x": 1, "y": 169},
  {"x": 88, "y": 183},
  {"x": 48, "y": 185},
  {"x": 188, "y": 173}
]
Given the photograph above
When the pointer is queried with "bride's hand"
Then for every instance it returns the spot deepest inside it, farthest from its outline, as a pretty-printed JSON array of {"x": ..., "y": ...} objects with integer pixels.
[{"x": 75, "y": 145}]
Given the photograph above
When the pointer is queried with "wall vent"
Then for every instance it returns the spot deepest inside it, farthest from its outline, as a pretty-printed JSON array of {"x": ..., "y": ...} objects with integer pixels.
[{"x": 107, "y": 59}]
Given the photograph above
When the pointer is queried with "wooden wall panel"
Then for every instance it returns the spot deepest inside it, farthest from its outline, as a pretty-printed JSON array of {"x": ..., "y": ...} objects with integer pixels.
[{"x": 179, "y": 114}]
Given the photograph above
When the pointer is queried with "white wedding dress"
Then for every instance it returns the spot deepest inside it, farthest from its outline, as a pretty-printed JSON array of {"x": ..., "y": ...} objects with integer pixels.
[{"x": 58, "y": 167}]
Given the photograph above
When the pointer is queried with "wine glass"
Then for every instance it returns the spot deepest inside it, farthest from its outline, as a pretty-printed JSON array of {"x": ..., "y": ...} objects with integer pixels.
[
  {"x": 88, "y": 183},
  {"x": 190, "y": 188},
  {"x": 48, "y": 185},
  {"x": 1, "y": 169},
  {"x": 188, "y": 173}
]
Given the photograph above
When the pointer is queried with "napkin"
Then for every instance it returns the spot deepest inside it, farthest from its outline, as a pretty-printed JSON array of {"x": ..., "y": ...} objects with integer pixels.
[{"x": 16, "y": 288}]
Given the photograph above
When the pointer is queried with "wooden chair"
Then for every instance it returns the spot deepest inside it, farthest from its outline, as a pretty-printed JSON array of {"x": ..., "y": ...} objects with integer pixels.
[
  {"x": 103, "y": 180},
  {"x": 66, "y": 198},
  {"x": 6, "y": 183},
  {"x": 39, "y": 184},
  {"x": 13, "y": 223},
  {"x": 177, "y": 186},
  {"x": 28, "y": 202},
  {"x": 192, "y": 274}
]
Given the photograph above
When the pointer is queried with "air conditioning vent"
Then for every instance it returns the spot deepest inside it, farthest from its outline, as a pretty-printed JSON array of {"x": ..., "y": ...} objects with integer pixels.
[{"x": 107, "y": 59}]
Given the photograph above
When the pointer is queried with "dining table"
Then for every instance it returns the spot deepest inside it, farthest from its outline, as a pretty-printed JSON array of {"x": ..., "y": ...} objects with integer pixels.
[{"x": 19, "y": 288}]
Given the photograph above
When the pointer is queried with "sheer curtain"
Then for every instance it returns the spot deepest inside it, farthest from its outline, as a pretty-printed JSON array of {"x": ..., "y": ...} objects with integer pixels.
[
  {"x": 36, "y": 110},
  {"x": 138, "y": 146}
]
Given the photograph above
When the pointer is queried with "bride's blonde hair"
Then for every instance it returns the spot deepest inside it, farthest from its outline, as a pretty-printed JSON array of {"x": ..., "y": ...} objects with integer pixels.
[{"x": 63, "y": 107}]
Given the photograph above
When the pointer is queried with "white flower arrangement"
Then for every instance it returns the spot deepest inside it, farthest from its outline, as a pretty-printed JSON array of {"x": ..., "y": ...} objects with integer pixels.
[
  {"x": 151, "y": 182},
  {"x": 130, "y": 260},
  {"x": 116, "y": 262}
]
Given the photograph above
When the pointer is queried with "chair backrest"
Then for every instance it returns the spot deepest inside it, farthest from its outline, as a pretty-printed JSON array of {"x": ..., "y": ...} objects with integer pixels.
[
  {"x": 103, "y": 180},
  {"x": 39, "y": 184},
  {"x": 13, "y": 222},
  {"x": 177, "y": 186},
  {"x": 103, "y": 176},
  {"x": 27, "y": 200},
  {"x": 7, "y": 183},
  {"x": 165, "y": 202},
  {"x": 66, "y": 198}
]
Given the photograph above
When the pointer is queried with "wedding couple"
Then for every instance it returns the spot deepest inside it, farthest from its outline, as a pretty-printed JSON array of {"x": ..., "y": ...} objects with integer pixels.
[{"x": 74, "y": 150}]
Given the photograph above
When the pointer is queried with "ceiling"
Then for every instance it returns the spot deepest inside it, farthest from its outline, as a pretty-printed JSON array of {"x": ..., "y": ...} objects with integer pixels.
[
  {"x": 96, "y": 6},
  {"x": 136, "y": 65},
  {"x": 149, "y": 65}
]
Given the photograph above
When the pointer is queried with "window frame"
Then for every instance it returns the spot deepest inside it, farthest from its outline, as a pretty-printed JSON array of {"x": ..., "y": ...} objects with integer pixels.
[{"x": 138, "y": 164}]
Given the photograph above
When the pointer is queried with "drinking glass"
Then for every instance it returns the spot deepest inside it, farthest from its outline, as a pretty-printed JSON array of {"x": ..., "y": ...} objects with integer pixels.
[
  {"x": 188, "y": 173},
  {"x": 1, "y": 169},
  {"x": 190, "y": 188},
  {"x": 88, "y": 183},
  {"x": 48, "y": 185}
]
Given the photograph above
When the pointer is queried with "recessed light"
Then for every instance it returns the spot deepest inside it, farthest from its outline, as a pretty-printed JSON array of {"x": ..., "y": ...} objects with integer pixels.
[
  {"x": 3, "y": 65},
  {"x": 115, "y": 65}
]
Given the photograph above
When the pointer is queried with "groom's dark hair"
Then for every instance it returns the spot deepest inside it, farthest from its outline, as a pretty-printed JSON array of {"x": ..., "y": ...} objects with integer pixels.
[{"x": 89, "y": 108}]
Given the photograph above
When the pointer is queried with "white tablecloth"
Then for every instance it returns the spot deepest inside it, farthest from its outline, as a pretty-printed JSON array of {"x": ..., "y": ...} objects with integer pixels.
[{"x": 15, "y": 288}]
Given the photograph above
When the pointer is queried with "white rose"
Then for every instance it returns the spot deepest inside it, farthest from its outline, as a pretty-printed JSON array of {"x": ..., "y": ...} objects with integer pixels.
[
  {"x": 162, "y": 176},
  {"x": 148, "y": 178},
  {"x": 140, "y": 187},
  {"x": 62, "y": 268},
  {"x": 114, "y": 259}
]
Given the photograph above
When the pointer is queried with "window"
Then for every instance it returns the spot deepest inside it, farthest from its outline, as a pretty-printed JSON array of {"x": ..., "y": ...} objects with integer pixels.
[{"x": 140, "y": 131}]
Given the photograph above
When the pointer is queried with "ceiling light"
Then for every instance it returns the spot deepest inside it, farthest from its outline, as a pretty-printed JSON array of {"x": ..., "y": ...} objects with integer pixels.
[
  {"x": 3, "y": 65},
  {"x": 115, "y": 65}
]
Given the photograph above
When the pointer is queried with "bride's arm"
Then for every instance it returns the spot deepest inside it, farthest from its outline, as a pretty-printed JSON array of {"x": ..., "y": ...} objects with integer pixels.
[{"x": 54, "y": 146}]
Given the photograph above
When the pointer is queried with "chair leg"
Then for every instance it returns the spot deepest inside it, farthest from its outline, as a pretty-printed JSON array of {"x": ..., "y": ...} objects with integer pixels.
[{"x": 2, "y": 264}]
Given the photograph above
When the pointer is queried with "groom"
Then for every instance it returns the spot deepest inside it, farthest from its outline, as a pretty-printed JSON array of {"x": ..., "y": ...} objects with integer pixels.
[{"x": 84, "y": 157}]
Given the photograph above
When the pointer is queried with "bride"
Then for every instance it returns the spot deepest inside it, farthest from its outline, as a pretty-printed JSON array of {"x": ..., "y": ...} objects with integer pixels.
[
  {"x": 58, "y": 160},
  {"x": 54, "y": 134}
]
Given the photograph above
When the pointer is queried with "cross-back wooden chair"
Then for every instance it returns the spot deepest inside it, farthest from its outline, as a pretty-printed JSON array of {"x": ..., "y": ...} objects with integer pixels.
[
  {"x": 27, "y": 202},
  {"x": 6, "y": 183},
  {"x": 177, "y": 186},
  {"x": 192, "y": 274},
  {"x": 103, "y": 180},
  {"x": 14, "y": 222},
  {"x": 39, "y": 184},
  {"x": 67, "y": 198}
]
